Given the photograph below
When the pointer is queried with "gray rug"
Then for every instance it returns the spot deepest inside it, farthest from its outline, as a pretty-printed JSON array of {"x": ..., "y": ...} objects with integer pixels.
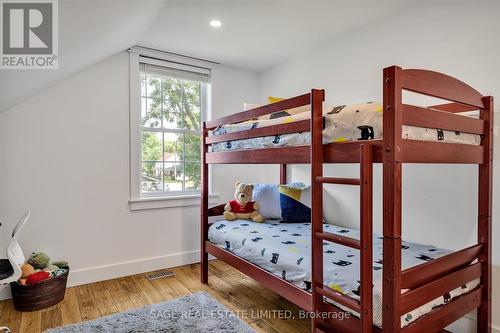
[{"x": 191, "y": 314}]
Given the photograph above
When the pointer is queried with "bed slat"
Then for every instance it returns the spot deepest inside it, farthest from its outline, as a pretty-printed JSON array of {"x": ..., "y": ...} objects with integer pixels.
[
  {"x": 338, "y": 181},
  {"x": 216, "y": 210},
  {"x": 434, "y": 321},
  {"x": 350, "y": 324},
  {"x": 335, "y": 296},
  {"x": 342, "y": 240},
  {"x": 297, "y": 126},
  {"x": 422, "y": 117},
  {"x": 453, "y": 107},
  {"x": 285, "y": 155},
  {"x": 416, "y": 276},
  {"x": 440, "y": 86},
  {"x": 261, "y": 111},
  {"x": 415, "y": 151},
  {"x": 426, "y": 293}
]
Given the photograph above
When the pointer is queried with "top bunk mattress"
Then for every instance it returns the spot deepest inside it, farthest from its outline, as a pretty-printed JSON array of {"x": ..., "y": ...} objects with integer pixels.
[
  {"x": 341, "y": 123},
  {"x": 283, "y": 249}
]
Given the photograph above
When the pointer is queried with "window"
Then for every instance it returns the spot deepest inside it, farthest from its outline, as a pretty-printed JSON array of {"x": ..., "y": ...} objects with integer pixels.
[{"x": 171, "y": 103}]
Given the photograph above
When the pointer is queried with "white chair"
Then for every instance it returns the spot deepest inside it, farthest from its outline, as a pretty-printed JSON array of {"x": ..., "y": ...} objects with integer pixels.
[{"x": 10, "y": 268}]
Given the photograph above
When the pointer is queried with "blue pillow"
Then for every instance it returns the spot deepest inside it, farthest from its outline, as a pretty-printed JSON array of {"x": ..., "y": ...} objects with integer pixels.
[
  {"x": 295, "y": 204},
  {"x": 268, "y": 199}
]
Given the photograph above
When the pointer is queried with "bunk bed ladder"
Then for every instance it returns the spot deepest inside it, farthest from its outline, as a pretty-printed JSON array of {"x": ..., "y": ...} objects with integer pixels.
[{"x": 364, "y": 307}]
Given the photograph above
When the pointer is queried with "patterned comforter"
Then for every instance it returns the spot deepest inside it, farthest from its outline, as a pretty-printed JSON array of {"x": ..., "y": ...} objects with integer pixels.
[
  {"x": 341, "y": 123},
  {"x": 284, "y": 250}
]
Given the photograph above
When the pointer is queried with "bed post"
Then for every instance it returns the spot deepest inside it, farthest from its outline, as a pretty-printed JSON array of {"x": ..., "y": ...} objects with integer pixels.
[
  {"x": 204, "y": 207},
  {"x": 283, "y": 179},
  {"x": 366, "y": 237},
  {"x": 317, "y": 97},
  {"x": 484, "y": 218},
  {"x": 391, "y": 287}
]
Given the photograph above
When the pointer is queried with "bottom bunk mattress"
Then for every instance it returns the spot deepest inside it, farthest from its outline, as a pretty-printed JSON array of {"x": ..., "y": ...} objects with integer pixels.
[{"x": 283, "y": 249}]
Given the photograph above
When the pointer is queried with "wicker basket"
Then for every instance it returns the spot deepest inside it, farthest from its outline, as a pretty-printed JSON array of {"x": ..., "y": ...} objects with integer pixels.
[{"x": 40, "y": 295}]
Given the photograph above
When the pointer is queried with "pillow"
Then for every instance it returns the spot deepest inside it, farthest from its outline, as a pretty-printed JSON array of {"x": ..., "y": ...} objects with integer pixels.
[
  {"x": 272, "y": 99},
  {"x": 268, "y": 199},
  {"x": 250, "y": 106},
  {"x": 283, "y": 113},
  {"x": 295, "y": 204}
]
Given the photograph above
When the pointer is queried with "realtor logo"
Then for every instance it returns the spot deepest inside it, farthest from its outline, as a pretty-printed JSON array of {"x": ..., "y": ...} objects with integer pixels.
[{"x": 29, "y": 34}]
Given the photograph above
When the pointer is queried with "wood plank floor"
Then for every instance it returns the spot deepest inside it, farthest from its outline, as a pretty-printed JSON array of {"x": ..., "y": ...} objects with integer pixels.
[{"x": 233, "y": 289}]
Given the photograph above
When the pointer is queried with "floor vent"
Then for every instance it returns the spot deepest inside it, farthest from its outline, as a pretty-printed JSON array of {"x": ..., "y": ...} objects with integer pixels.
[{"x": 160, "y": 275}]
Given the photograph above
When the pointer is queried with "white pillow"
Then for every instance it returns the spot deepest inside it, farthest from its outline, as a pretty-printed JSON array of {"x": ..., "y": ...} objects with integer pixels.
[
  {"x": 250, "y": 106},
  {"x": 268, "y": 199}
]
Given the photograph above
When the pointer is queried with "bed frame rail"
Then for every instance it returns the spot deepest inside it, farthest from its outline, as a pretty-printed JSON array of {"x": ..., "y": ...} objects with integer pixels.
[
  {"x": 435, "y": 321},
  {"x": 441, "y": 86},
  {"x": 298, "y": 126},
  {"x": 437, "y": 288},
  {"x": 260, "y": 111},
  {"x": 425, "y": 117},
  {"x": 419, "y": 275},
  {"x": 453, "y": 107}
]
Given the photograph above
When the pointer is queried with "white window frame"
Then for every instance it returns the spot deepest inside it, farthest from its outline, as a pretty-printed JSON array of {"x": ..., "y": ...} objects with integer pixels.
[{"x": 145, "y": 201}]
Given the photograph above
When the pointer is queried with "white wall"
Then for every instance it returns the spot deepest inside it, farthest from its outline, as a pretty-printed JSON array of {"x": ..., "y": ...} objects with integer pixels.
[
  {"x": 230, "y": 89},
  {"x": 456, "y": 38},
  {"x": 65, "y": 155}
]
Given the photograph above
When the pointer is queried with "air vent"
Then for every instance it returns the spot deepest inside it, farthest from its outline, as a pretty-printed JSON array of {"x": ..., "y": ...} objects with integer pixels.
[{"x": 160, "y": 275}]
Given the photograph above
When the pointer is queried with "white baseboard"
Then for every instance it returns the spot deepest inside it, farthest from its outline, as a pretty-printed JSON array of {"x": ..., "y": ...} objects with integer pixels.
[{"x": 106, "y": 272}]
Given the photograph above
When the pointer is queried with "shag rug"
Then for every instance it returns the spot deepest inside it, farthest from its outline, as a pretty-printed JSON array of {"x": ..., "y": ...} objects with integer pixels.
[{"x": 190, "y": 314}]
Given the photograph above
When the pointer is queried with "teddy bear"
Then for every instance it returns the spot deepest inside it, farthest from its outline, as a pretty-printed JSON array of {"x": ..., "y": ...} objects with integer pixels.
[{"x": 242, "y": 207}]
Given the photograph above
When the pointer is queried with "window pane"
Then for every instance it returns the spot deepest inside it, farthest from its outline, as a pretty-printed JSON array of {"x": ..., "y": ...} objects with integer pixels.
[
  {"x": 191, "y": 147},
  {"x": 172, "y": 144},
  {"x": 172, "y": 115},
  {"x": 172, "y": 90},
  {"x": 193, "y": 177},
  {"x": 192, "y": 92},
  {"x": 153, "y": 87},
  {"x": 151, "y": 146},
  {"x": 151, "y": 175},
  {"x": 151, "y": 112},
  {"x": 173, "y": 176},
  {"x": 192, "y": 116},
  {"x": 143, "y": 84}
]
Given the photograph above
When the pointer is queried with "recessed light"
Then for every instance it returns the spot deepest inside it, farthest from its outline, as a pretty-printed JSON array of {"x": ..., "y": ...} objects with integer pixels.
[{"x": 215, "y": 23}]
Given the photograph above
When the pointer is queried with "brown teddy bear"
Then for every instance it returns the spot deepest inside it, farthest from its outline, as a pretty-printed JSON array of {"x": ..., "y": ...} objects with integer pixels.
[{"x": 242, "y": 207}]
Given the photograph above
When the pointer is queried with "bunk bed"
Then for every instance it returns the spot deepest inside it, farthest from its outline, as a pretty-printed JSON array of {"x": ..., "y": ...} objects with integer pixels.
[{"x": 403, "y": 288}]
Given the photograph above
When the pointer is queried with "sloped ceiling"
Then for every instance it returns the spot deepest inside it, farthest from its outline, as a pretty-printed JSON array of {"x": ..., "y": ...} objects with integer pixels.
[
  {"x": 255, "y": 34},
  {"x": 258, "y": 34},
  {"x": 89, "y": 31}
]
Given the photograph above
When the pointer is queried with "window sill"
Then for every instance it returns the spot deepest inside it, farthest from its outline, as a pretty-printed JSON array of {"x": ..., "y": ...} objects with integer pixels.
[{"x": 169, "y": 202}]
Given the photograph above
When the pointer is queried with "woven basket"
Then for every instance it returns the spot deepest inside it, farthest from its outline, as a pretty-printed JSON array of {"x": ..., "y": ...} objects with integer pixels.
[{"x": 40, "y": 295}]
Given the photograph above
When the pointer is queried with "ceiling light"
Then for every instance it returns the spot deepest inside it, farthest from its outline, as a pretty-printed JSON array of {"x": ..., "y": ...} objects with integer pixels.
[{"x": 215, "y": 23}]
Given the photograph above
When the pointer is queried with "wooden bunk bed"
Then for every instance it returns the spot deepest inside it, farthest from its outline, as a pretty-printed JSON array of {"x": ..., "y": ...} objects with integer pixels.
[{"x": 423, "y": 282}]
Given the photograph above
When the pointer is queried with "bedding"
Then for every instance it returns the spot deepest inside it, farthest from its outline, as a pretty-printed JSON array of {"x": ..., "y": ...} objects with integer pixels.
[
  {"x": 267, "y": 197},
  {"x": 295, "y": 204},
  {"x": 283, "y": 249},
  {"x": 341, "y": 123}
]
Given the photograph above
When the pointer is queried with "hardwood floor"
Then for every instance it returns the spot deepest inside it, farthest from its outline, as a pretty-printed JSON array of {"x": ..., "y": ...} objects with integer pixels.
[{"x": 233, "y": 289}]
